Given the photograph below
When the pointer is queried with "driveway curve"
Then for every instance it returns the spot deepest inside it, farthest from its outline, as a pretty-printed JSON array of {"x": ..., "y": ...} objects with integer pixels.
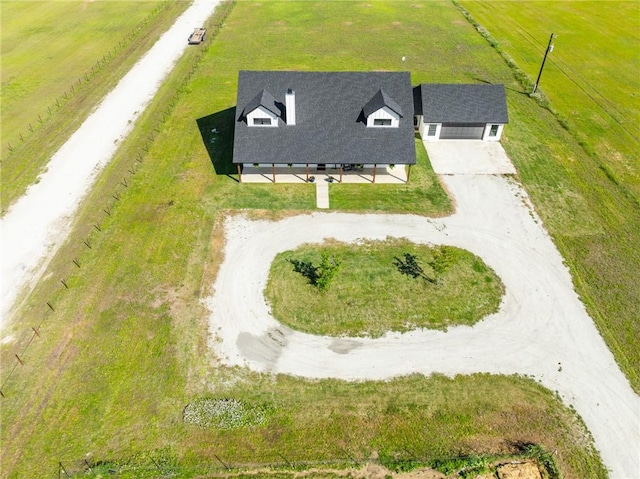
[{"x": 542, "y": 328}]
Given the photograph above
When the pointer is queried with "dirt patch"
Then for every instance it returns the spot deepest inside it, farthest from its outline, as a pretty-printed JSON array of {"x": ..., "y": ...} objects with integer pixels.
[
  {"x": 419, "y": 474},
  {"x": 526, "y": 470}
]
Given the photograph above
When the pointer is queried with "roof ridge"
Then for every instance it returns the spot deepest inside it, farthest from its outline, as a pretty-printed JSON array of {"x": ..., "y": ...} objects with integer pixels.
[
  {"x": 379, "y": 100},
  {"x": 263, "y": 99}
]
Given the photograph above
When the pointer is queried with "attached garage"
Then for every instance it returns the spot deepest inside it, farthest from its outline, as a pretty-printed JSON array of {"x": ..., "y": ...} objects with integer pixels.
[
  {"x": 462, "y": 131},
  {"x": 460, "y": 111}
]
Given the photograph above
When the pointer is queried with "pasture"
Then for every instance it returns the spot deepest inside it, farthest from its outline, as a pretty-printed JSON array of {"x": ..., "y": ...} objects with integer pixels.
[
  {"x": 587, "y": 192},
  {"x": 59, "y": 59},
  {"x": 124, "y": 349}
]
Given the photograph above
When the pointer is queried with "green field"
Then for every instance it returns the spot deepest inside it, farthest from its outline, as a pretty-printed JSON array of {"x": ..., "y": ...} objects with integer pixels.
[
  {"x": 124, "y": 349},
  {"x": 59, "y": 59},
  {"x": 369, "y": 296},
  {"x": 591, "y": 76},
  {"x": 587, "y": 191}
]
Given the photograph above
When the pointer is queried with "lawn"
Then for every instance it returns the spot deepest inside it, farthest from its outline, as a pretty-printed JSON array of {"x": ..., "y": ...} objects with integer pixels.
[
  {"x": 124, "y": 349},
  {"x": 369, "y": 295},
  {"x": 59, "y": 59},
  {"x": 423, "y": 194},
  {"x": 585, "y": 187}
]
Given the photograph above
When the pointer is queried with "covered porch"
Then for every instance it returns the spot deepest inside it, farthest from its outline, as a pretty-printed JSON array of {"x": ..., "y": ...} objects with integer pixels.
[{"x": 385, "y": 174}]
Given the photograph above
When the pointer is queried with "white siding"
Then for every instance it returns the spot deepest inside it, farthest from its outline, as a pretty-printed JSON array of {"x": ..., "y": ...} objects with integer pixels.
[
  {"x": 262, "y": 113},
  {"x": 384, "y": 113},
  {"x": 421, "y": 126},
  {"x": 424, "y": 130},
  {"x": 487, "y": 131}
]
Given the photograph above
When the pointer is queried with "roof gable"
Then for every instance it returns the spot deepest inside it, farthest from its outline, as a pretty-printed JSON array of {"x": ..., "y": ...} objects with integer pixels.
[
  {"x": 463, "y": 103},
  {"x": 380, "y": 100},
  {"x": 263, "y": 99}
]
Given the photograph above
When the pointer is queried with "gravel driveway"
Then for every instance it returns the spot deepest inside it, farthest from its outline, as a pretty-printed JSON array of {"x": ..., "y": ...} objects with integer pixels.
[{"x": 542, "y": 328}]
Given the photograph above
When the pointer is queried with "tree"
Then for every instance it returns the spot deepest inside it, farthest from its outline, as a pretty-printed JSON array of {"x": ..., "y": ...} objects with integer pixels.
[{"x": 319, "y": 276}]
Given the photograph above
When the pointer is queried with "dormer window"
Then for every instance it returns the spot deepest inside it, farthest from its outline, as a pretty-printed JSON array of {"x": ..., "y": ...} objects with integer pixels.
[
  {"x": 382, "y": 111},
  {"x": 262, "y": 111}
]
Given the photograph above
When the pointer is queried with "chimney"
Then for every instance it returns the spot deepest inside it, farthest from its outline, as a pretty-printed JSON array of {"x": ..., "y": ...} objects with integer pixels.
[{"x": 290, "y": 106}]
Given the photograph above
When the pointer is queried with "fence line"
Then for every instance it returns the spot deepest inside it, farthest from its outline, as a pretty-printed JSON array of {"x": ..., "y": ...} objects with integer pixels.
[
  {"x": 124, "y": 183},
  {"x": 88, "y": 75}
]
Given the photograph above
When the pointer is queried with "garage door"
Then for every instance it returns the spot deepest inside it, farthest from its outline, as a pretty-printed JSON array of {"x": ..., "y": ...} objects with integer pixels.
[{"x": 462, "y": 131}]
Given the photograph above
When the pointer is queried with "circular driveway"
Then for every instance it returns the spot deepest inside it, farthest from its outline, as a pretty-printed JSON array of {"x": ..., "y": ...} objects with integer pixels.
[{"x": 541, "y": 329}]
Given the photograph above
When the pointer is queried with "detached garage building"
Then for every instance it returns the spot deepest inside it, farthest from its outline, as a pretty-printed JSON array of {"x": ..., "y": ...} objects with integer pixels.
[{"x": 460, "y": 111}]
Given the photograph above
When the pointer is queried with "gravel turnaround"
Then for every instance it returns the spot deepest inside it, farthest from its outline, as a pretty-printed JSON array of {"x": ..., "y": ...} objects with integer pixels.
[
  {"x": 36, "y": 225},
  {"x": 542, "y": 329}
]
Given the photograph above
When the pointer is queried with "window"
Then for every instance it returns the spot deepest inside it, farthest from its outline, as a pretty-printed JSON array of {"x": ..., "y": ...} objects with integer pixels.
[
  {"x": 381, "y": 122},
  {"x": 494, "y": 130},
  {"x": 262, "y": 121},
  {"x": 432, "y": 130}
]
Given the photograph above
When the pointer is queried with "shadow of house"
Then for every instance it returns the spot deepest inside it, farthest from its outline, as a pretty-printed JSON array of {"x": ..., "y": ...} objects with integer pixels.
[{"x": 217, "y": 132}]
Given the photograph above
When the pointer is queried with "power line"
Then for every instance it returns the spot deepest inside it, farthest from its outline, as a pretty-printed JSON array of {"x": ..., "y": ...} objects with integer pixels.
[{"x": 602, "y": 102}]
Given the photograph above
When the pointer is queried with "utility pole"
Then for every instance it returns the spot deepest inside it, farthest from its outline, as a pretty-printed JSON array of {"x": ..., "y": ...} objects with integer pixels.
[{"x": 549, "y": 50}]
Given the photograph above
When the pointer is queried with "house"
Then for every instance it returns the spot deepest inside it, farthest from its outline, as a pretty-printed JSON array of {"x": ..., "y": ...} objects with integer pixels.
[
  {"x": 324, "y": 120},
  {"x": 347, "y": 120},
  {"x": 461, "y": 111}
]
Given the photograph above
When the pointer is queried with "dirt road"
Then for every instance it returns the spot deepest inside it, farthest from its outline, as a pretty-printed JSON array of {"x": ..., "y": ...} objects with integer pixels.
[
  {"x": 35, "y": 226},
  {"x": 542, "y": 328}
]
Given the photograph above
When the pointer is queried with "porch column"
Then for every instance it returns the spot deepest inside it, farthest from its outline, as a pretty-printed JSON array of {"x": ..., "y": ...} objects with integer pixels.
[
  {"x": 341, "y": 173},
  {"x": 409, "y": 174},
  {"x": 273, "y": 171},
  {"x": 374, "y": 172},
  {"x": 307, "y": 169},
  {"x": 239, "y": 173}
]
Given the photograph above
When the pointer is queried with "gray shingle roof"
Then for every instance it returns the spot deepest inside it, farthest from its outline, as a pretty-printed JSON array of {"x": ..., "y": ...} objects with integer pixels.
[
  {"x": 330, "y": 125},
  {"x": 380, "y": 100},
  {"x": 463, "y": 103},
  {"x": 264, "y": 99}
]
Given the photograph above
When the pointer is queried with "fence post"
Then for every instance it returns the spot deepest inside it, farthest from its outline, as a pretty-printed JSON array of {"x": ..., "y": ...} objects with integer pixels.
[
  {"x": 221, "y": 462},
  {"x": 61, "y": 468}
]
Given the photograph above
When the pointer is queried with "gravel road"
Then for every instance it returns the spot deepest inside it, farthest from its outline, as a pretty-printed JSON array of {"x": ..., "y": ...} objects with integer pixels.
[{"x": 37, "y": 224}]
